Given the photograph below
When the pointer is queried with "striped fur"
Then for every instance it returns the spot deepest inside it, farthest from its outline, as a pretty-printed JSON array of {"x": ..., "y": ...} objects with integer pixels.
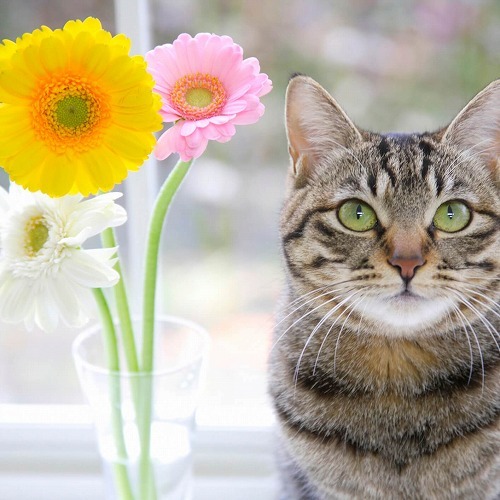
[{"x": 386, "y": 388}]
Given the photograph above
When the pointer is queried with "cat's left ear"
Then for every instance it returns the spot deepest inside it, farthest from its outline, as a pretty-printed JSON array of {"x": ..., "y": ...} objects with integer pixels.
[
  {"x": 476, "y": 129},
  {"x": 317, "y": 127}
]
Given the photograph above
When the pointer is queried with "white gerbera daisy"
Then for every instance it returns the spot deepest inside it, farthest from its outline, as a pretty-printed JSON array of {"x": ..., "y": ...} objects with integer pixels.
[{"x": 45, "y": 274}]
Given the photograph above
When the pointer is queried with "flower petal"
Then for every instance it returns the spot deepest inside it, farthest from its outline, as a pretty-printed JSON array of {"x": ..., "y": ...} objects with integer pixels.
[
  {"x": 46, "y": 313},
  {"x": 167, "y": 143},
  {"x": 94, "y": 215},
  {"x": 15, "y": 298},
  {"x": 68, "y": 304},
  {"x": 188, "y": 127},
  {"x": 87, "y": 270}
]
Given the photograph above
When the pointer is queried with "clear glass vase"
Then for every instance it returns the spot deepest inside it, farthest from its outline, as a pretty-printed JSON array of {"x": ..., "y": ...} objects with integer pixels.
[{"x": 144, "y": 421}]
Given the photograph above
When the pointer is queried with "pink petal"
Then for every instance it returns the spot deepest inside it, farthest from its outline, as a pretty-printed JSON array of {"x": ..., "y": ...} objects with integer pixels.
[
  {"x": 166, "y": 144},
  {"x": 236, "y": 79},
  {"x": 260, "y": 85},
  {"x": 169, "y": 116},
  {"x": 220, "y": 120},
  {"x": 202, "y": 123},
  {"x": 162, "y": 64},
  {"x": 211, "y": 49},
  {"x": 267, "y": 86},
  {"x": 252, "y": 102},
  {"x": 233, "y": 108},
  {"x": 249, "y": 117},
  {"x": 188, "y": 127},
  {"x": 180, "y": 46},
  {"x": 228, "y": 61},
  {"x": 211, "y": 132},
  {"x": 194, "y": 54},
  {"x": 199, "y": 149},
  {"x": 203, "y": 38},
  {"x": 227, "y": 130},
  {"x": 194, "y": 139},
  {"x": 238, "y": 93},
  {"x": 185, "y": 155}
]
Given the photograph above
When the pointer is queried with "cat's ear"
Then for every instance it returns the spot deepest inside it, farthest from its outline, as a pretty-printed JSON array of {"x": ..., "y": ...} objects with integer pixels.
[
  {"x": 316, "y": 125},
  {"x": 476, "y": 129}
]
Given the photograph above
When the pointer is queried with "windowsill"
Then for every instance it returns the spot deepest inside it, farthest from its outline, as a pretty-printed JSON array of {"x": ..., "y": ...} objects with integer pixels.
[{"x": 50, "y": 453}]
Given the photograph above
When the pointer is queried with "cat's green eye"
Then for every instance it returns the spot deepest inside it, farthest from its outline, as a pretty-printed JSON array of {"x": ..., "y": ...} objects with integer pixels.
[
  {"x": 451, "y": 216},
  {"x": 357, "y": 216}
]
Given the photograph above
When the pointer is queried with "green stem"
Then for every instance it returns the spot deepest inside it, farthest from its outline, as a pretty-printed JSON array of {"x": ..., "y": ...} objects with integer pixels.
[
  {"x": 160, "y": 210},
  {"x": 122, "y": 480},
  {"x": 147, "y": 483},
  {"x": 122, "y": 307}
]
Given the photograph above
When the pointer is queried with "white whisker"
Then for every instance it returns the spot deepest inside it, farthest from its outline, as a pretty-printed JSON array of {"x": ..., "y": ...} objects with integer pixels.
[
  {"x": 304, "y": 316},
  {"x": 316, "y": 328},
  {"x": 337, "y": 343},
  {"x": 491, "y": 329},
  {"x": 350, "y": 306},
  {"x": 462, "y": 315}
]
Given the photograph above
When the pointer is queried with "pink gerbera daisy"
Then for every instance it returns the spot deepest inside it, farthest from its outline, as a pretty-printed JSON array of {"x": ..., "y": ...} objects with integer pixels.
[{"x": 207, "y": 88}]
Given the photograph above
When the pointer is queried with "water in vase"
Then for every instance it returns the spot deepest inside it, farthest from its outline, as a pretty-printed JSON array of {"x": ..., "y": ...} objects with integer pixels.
[{"x": 170, "y": 454}]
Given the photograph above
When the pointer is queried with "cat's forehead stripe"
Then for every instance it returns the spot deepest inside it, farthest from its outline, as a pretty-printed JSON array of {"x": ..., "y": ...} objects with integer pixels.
[
  {"x": 426, "y": 149},
  {"x": 384, "y": 150}
]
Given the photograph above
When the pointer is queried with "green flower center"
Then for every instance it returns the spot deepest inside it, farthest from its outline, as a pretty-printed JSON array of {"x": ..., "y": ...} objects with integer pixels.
[
  {"x": 200, "y": 98},
  {"x": 72, "y": 111},
  {"x": 37, "y": 234}
]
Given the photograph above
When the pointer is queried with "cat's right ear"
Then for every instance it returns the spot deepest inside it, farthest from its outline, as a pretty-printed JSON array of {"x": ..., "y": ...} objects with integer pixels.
[
  {"x": 317, "y": 127},
  {"x": 476, "y": 129}
]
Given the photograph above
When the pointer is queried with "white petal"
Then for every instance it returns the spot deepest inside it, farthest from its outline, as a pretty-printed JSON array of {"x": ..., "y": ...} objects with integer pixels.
[
  {"x": 104, "y": 255},
  {"x": 92, "y": 216},
  {"x": 46, "y": 313},
  {"x": 86, "y": 270},
  {"x": 79, "y": 239},
  {"x": 15, "y": 299},
  {"x": 66, "y": 297},
  {"x": 88, "y": 304}
]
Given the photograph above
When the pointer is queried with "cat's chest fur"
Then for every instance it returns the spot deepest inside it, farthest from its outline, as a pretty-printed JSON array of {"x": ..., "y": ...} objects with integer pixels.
[
  {"x": 391, "y": 418},
  {"x": 385, "y": 371}
]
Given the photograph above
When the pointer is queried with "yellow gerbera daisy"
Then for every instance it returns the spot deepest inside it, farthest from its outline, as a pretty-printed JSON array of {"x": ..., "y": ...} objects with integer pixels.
[{"x": 77, "y": 112}]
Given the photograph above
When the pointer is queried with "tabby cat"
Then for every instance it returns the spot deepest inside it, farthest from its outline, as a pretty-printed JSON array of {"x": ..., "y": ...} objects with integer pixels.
[{"x": 385, "y": 371}]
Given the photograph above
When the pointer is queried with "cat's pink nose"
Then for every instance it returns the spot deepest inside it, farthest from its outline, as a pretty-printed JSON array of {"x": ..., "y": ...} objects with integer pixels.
[{"x": 407, "y": 264}]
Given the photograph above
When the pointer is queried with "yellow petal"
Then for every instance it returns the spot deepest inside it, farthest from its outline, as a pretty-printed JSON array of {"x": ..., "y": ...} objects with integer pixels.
[
  {"x": 26, "y": 160},
  {"x": 101, "y": 169},
  {"x": 53, "y": 54},
  {"x": 128, "y": 143},
  {"x": 16, "y": 85},
  {"x": 122, "y": 74},
  {"x": 96, "y": 61},
  {"x": 31, "y": 59},
  {"x": 81, "y": 46},
  {"x": 58, "y": 176},
  {"x": 122, "y": 42},
  {"x": 85, "y": 183}
]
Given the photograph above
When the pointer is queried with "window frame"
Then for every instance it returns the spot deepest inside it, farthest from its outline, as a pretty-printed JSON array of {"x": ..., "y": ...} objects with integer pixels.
[{"x": 52, "y": 448}]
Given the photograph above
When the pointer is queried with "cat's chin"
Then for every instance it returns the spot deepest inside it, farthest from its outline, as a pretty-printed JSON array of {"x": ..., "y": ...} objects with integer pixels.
[{"x": 406, "y": 313}]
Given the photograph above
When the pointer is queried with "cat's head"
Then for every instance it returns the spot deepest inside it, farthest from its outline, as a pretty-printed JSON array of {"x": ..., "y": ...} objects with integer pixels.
[{"x": 398, "y": 230}]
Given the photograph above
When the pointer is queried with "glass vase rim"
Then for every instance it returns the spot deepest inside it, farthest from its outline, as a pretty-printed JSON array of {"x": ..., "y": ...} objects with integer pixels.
[{"x": 125, "y": 373}]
